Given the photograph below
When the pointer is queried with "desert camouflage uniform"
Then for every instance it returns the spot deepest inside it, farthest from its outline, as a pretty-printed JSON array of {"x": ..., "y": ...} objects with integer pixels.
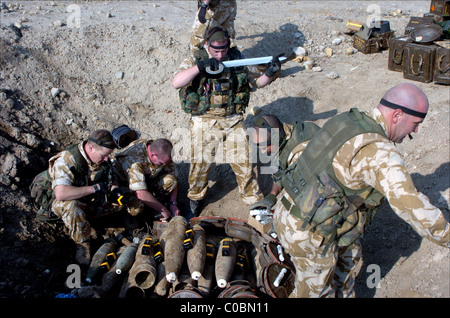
[
  {"x": 220, "y": 13},
  {"x": 218, "y": 138},
  {"x": 379, "y": 165},
  {"x": 74, "y": 213},
  {"x": 134, "y": 168}
]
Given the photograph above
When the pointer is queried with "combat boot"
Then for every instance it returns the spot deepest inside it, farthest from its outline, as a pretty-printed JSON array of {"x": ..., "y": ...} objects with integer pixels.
[{"x": 83, "y": 255}]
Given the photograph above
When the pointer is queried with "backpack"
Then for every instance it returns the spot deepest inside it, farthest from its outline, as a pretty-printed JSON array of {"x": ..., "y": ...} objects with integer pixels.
[{"x": 41, "y": 187}]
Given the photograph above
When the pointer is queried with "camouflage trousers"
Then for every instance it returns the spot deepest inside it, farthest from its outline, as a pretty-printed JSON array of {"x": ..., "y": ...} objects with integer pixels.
[
  {"x": 221, "y": 141},
  {"x": 223, "y": 15},
  {"x": 74, "y": 215},
  {"x": 317, "y": 275}
]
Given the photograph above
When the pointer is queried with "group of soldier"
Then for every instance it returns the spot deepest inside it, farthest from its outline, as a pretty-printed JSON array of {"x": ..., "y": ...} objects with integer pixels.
[{"x": 360, "y": 163}]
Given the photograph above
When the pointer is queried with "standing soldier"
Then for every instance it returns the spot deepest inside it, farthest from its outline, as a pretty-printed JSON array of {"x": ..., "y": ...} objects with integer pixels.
[
  {"x": 210, "y": 14},
  {"x": 146, "y": 168},
  {"x": 217, "y": 104},
  {"x": 80, "y": 181},
  {"x": 336, "y": 181}
]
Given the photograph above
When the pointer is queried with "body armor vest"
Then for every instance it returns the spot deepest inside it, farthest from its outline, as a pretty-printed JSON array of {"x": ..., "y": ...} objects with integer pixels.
[
  {"x": 229, "y": 90},
  {"x": 323, "y": 203}
]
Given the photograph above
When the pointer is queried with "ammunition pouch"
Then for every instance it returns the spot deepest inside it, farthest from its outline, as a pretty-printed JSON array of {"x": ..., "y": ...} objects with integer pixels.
[{"x": 41, "y": 191}]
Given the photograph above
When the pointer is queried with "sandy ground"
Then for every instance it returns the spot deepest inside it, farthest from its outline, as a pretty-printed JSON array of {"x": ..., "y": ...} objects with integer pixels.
[{"x": 114, "y": 62}]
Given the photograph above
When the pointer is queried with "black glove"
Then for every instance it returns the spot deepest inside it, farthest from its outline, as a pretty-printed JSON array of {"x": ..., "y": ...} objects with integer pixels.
[
  {"x": 213, "y": 63},
  {"x": 116, "y": 192},
  {"x": 273, "y": 67},
  {"x": 202, "y": 13},
  {"x": 100, "y": 188},
  {"x": 267, "y": 203}
]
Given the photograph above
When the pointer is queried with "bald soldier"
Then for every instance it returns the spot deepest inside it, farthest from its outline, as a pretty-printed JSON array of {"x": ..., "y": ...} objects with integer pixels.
[
  {"x": 146, "y": 168},
  {"x": 80, "y": 177},
  {"x": 320, "y": 213}
]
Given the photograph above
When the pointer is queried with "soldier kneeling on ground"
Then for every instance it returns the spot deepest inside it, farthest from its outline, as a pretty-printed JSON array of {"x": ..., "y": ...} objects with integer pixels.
[{"x": 81, "y": 180}]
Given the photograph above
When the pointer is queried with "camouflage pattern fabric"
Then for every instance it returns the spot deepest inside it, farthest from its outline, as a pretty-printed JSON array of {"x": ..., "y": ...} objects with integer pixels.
[
  {"x": 220, "y": 13},
  {"x": 219, "y": 112},
  {"x": 221, "y": 141},
  {"x": 72, "y": 212},
  {"x": 379, "y": 165},
  {"x": 135, "y": 171},
  {"x": 208, "y": 132}
]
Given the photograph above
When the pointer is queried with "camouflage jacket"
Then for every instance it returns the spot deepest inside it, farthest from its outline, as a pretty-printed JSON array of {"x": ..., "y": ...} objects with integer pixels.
[
  {"x": 134, "y": 167},
  {"x": 62, "y": 169}
]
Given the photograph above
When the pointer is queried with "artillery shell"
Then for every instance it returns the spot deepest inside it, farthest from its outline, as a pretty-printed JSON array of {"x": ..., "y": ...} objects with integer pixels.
[
  {"x": 225, "y": 261},
  {"x": 196, "y": 256},
  {"x": 108, "y": 247},
  {"x": 110, "y": 278},
  {"x": 143, "y": 272},
  {"x": 174, "y": 251},
  {"x": 126, "y": 260},
  {"x": 205, "y": 282},
  {"x": 162, "y": 285}
]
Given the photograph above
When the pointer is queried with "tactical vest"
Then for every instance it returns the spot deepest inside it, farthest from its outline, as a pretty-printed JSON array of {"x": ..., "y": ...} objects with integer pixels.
[
  {"x": 301, "y": 132},
  {"x": 81, "y": 170},
  {"x": 321, "y": 200},
  {"x": 231, "y": 87}
]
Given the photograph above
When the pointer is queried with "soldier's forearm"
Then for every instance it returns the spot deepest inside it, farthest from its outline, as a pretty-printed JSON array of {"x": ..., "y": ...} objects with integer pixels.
[
  {"x": 263, "y": 80},
  {"x": 66, "y": 192},
  {"x": 184, "y": 77},
  {"x": 148, "y": 199}
]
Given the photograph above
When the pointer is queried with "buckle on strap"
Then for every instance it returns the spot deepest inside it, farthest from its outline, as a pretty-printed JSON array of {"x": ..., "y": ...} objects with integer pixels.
[{"x": 292, "y": 208}]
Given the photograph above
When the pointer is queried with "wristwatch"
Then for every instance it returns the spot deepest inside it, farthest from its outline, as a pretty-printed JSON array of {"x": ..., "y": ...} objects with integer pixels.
[{"x": 173, "y": 202}]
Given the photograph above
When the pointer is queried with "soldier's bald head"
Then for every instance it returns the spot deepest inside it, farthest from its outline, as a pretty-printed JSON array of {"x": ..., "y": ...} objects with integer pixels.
[
  {"x": 404, "y": 108},
  {"x": 407, "y": 95}
]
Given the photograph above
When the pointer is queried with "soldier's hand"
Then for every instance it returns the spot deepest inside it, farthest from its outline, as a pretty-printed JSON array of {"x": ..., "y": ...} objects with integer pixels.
[
  {"x": 213, "y": 63},
  {"x": 267, "y": 203},
  {"x": 174, "y": 210},
  {"x": 202, "y": 13},
  {"x": 93, "y": 234},
  {"x": 100, "y": 188},
  {"x": 273, "y": 67}
]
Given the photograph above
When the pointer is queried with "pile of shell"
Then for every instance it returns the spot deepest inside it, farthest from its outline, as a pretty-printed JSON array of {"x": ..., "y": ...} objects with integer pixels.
[{"x": 207, "y": 257}]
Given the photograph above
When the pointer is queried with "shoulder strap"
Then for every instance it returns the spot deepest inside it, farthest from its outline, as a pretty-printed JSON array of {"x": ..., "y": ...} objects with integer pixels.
[
  {"x": 302, "y": 132},
  {"x": 81, "y": 168},
  {"x": 320, "y": 151}
]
